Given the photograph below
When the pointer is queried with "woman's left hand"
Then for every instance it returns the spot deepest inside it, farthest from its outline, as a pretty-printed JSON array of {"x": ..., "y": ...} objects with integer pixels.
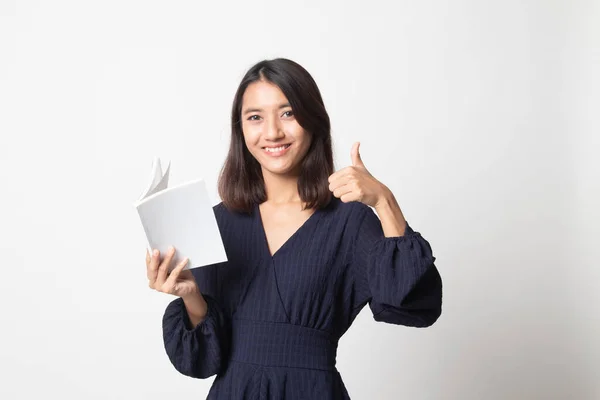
[{"x": 355, "y": 183}]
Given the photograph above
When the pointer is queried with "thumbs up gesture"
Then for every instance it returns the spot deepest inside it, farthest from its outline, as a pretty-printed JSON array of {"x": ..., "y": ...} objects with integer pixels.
[{"x": 355, "y": 183}]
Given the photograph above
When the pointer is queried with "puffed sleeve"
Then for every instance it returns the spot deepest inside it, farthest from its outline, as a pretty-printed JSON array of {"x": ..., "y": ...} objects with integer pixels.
[
  {"x": 198, "y": 351},
  {"x": 397, "y": 275}
]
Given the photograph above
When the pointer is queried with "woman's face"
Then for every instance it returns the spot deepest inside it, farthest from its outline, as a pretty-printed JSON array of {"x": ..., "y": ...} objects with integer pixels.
[{"x": 271, "y": 132}]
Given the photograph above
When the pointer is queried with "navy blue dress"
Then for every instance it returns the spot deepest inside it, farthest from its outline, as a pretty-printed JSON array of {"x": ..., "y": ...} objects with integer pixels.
[{"x": 274, "y": 322}]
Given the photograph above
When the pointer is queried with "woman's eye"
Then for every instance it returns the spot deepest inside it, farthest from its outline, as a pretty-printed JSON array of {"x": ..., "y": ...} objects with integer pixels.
[
  {"x": 288, "y": 114},
  {"x": 253, "y": 118}
]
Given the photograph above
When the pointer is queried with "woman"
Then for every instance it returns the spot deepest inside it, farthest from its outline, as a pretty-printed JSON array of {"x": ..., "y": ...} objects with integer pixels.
[{"x": 305, "y": 254}]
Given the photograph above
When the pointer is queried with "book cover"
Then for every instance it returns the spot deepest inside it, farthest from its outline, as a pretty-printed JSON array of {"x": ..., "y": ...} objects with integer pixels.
[{"x": 181, "y": 216}]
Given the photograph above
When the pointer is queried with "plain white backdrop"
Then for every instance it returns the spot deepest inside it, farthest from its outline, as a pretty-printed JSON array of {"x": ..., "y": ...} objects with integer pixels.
[{"x": 481, "y": 116}]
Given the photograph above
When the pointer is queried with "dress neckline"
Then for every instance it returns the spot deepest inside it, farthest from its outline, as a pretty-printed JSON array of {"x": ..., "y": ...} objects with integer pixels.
[{"x": 297, "y": 232}]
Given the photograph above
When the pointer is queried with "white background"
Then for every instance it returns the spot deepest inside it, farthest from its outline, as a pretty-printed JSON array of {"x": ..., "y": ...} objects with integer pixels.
[{"x": 481, "y": 116}]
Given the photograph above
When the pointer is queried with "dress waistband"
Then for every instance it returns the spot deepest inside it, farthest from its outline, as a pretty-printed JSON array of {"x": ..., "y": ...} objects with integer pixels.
[{"x": 281, "y": 345}]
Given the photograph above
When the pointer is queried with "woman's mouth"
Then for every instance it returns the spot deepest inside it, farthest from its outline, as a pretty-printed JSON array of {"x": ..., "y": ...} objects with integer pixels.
[{"x": 276, "y": 151}]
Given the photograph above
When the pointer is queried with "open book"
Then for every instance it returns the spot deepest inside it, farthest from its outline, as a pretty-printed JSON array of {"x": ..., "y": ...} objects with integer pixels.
[{"x": 181, "y": 216}]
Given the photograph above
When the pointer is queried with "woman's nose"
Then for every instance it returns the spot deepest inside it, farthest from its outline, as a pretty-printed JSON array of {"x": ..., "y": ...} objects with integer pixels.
[{"x": 273, "y": 130}]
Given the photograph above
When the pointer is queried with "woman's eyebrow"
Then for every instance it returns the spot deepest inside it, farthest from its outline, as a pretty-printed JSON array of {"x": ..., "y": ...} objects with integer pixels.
[{"x": 254, "y": 109}]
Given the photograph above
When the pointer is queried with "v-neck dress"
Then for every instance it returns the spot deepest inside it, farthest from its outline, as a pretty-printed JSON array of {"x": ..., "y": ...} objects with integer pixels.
[{"x": 274, "y": 321}]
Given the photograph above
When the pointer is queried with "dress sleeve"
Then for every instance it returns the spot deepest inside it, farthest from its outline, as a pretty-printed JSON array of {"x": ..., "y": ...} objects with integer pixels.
[
  {"x": 396, "y": 275},
  {"x": 198, "y": 351}
]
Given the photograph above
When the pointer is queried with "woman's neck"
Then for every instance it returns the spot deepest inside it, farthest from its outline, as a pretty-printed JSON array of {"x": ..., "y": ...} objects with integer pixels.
[{"x": 281, "y": 189}]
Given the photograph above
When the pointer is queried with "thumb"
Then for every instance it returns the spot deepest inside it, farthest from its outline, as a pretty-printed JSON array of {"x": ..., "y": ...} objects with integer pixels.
[{"x": 356, "y": 160}]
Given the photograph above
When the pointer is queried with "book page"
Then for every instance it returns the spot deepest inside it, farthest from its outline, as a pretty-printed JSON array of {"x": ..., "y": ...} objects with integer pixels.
[
  {"x": 158, "y": 180},
  {"x": 162, "y": 183}
]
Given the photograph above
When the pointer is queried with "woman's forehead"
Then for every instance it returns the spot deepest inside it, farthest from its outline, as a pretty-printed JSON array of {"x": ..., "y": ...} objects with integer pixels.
[{"x": 263, "y": 94}]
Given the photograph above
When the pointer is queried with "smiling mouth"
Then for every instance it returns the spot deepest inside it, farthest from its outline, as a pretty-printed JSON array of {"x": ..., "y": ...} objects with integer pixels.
[{"x": 276, "y": 149}]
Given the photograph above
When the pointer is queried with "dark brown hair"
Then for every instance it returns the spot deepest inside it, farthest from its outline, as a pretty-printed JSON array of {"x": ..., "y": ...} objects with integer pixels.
[{"x": 241, "y": 185}]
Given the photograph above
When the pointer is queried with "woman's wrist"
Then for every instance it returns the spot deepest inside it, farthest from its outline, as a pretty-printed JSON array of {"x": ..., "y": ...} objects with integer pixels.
[
  {"x": 392, "y": 218},
  {"x": 196, "y": 307}
]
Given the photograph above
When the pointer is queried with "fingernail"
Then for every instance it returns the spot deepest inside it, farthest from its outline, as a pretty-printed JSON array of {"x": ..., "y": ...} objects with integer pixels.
[{"x": 155, "y": 252}]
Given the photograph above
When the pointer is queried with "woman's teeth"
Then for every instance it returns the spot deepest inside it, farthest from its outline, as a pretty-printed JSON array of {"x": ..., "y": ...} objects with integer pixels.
[{"x": 276, "y": 149}]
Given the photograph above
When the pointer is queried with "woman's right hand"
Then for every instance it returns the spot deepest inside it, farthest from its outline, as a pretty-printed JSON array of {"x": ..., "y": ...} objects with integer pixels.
[{"x": 179, "y": 282}]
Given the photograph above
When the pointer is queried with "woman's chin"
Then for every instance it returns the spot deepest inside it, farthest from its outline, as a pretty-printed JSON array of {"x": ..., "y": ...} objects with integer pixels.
[{"x": 279, "y": 170}]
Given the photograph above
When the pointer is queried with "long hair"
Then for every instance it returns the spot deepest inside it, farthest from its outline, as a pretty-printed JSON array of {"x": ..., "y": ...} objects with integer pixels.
[{"x": 241, "y": 185}]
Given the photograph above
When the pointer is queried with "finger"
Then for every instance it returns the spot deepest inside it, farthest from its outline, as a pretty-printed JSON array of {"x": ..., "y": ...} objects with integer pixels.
[
  {"x": 163, "y": 269},
  {"x": 341, "y": 173},
  {"x": 152, "y": 269},
  {"x": 148, "y": 259},
  {"x": 341, "y": 181},
  {"x": 342, "y": 190},
  {"x": 348, "y": 197},
  {"x": 174, "y": 275},
  {"x": 355, "y": 155}
]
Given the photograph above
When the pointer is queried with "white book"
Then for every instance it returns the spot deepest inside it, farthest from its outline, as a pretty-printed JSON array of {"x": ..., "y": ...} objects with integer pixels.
[{"x": 181, "y": 216}]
